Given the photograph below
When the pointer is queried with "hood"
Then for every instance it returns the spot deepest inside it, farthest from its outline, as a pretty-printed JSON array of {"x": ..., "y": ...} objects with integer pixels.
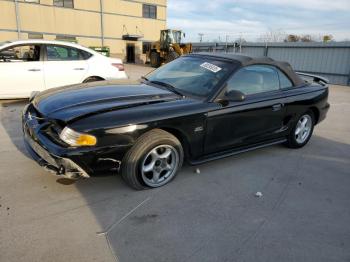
[{"x": 72, "y": 102}]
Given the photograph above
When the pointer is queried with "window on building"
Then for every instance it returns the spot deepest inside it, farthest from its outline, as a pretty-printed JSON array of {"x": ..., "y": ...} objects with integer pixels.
[
  {"x": 67, "y": 38},
  {"x": 146, "y": 46},
  {"x": 149, "y": 11},
  {"x": 35, "y": 36},
  {"x": 64, "y": 3},
  {"x": 32, "y": 1}
]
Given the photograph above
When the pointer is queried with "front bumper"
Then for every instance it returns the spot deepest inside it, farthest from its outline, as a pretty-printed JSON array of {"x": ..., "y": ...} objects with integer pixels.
[
  {"x": 41, "y": 148},
  {"x": 57, "y": 165},
  {"x": 60, "y": 160}
]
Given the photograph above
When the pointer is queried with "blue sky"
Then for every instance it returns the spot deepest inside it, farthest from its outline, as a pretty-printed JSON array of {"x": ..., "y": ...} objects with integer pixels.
[{"x": 253, "y": 19}]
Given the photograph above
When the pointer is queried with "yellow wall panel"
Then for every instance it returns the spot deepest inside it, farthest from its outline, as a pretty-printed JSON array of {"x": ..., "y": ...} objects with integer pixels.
[
  {"x": 49, "y": 37},
  {"x": 89, "y": 41},
  {"x": 46, "y": 2},
  {"x": 122, "y": 7},
  {"x": 132, "y": 8},
  {"x": 150, "y": 28},
  {"x": 7, "y": 15},
  {"x": 59, "y": 20},
  {"x": 154, "y": 2},
  {"x": 87, "y": 4},
  {"x": 6, "y": 36},
  {"x": 161, "y": 13}
]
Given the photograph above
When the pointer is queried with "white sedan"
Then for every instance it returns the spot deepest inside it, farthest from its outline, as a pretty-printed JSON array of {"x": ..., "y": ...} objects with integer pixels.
[{"x": 36, "y": 65}]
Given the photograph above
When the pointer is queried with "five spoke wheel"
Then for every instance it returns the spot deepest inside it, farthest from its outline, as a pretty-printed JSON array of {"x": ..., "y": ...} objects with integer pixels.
[
  {"x": 303, "y": 129},
  {"x": 159, "y": 165}
]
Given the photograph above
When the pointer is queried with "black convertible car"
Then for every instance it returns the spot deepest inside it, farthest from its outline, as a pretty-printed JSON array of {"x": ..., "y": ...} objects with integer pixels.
[{"x": 199, "y": 107}]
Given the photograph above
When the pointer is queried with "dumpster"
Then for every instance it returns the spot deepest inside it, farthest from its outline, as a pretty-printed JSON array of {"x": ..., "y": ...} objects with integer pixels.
[{"x": 104, "y": 50}]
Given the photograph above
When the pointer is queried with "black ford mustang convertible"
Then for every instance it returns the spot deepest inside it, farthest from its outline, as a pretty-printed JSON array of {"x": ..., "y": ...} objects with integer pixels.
[{"x": 197, "y": 108}]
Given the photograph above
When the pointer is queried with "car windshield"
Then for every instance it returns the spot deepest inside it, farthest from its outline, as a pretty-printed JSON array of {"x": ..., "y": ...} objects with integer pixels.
[{"x": 196, "y": 76}]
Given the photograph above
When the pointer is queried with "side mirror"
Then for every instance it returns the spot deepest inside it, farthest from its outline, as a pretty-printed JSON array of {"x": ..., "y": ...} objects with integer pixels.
[{"x": 235, "y": 96}]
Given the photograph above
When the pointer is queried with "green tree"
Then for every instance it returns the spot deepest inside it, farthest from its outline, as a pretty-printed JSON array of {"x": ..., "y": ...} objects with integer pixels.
[{"x": 327, "y": 38}]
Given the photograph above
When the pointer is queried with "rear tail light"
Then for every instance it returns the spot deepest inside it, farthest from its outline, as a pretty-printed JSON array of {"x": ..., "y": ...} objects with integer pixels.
[{"x": 119, "y": 66}]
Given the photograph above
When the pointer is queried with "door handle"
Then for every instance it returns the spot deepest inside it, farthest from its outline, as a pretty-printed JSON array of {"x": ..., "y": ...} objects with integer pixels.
[
  {"x": 34, "y": 70},
  {"x": 277, "y": 107},
  {"x": 79, "y": 68}
]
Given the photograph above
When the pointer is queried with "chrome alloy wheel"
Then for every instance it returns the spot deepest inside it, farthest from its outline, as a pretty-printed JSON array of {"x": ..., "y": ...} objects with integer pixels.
[
  {"x": 160, "y": 165},
  {"x": 303, "y": 129}
]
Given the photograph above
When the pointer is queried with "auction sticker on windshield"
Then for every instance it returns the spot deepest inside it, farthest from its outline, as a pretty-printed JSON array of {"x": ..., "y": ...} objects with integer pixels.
[{"x": 211, "y": 67}]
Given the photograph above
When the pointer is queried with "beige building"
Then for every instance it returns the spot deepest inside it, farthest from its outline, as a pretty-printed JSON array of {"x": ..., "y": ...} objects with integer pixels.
[{"x": 125, "y": 26}]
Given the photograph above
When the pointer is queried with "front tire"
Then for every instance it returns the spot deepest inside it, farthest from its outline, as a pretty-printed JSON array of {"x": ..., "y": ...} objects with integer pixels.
[
  {"x": 155, "y": 59},
  {"x": 153, "y": 161},
  {"x": 92, "y": 79},
  {"x": 302, "y": 131}
]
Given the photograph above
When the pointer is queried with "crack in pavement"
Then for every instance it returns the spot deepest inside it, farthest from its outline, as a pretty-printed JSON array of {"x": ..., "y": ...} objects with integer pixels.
[{"x": 105, "y": 233}]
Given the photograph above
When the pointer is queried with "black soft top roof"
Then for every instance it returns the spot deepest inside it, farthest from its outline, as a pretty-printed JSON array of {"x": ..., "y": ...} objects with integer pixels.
[{"x": 245, "y": 60}]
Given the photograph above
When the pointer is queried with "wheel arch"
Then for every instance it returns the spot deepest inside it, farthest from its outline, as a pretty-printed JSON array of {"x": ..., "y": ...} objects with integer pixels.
[
  {"x": 316, "y": 113},
  {"x": 94, "y": 77},
  {"x": 181, "y": 137}
]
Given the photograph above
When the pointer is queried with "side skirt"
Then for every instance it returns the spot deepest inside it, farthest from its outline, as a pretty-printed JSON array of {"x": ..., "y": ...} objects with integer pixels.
[{"x": 235, "y": 151}]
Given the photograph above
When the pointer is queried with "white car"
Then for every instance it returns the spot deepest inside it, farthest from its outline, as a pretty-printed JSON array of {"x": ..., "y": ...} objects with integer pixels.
[{"x": 36, "y": 65}]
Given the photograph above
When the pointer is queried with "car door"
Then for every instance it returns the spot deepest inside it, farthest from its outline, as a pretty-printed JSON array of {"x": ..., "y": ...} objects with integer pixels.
[
  {"x": 259, "y": 117},
  {"x": 21, "y": 71},
  {"x": 64, "y": 65}
]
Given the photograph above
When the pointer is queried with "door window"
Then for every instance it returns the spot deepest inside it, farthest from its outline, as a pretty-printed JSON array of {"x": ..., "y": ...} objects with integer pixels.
[
  {"x": 21, "y": 53},
  {"x": 63, "y": 53},
  {"x": 254, "y": 79},
  {"x": 284, "y": 80}
]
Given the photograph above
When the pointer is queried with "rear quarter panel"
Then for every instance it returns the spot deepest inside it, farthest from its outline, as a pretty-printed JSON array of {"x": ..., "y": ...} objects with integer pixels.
[{"x": 305, "y": 98}]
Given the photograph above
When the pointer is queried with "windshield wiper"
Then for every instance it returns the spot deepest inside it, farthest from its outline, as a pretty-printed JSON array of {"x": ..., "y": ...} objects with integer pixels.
[{"x": 167, "y": 86}]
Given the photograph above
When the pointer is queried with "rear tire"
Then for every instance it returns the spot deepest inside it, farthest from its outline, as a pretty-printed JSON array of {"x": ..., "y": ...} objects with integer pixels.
[
  {"x": 302, "y": 131},
  {"x": 153, "y": 161},
  {"x": 155, "y": 59},
  {"x": 93, "y": 79}
]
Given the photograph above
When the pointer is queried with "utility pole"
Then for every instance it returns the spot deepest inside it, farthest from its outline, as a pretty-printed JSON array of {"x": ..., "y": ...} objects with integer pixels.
[
  {"x": 240, "y": 43},
  {"x": 201, "y": 37},
  {"x": 18, "y": 22},
  {"x": 226, "y": 43},
  {"x": 102, "y": 24}
]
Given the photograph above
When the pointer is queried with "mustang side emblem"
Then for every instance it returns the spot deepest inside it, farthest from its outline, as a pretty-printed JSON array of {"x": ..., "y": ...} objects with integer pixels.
[{"x": 198, "y": 129}]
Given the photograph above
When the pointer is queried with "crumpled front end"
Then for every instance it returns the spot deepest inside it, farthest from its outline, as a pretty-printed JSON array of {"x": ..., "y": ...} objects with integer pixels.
[
  {"x": 48, "y": 155},
  {"x": 41, "y": 137}
]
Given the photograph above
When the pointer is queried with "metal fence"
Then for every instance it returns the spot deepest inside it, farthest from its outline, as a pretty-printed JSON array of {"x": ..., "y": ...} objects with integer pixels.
[{"x": 331, "y": 60}]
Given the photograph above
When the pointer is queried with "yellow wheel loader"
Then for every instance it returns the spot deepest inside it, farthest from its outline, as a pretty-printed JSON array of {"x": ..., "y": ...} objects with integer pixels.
[{"x": 168, "y": 48}]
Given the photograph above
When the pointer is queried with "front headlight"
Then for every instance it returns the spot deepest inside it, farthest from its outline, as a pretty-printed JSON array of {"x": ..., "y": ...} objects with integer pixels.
[{"x": 75, "y": 138}]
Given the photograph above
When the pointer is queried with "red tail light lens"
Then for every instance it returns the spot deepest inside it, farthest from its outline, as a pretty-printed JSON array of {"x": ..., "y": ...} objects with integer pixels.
[{"x": 119, "y": 66}]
